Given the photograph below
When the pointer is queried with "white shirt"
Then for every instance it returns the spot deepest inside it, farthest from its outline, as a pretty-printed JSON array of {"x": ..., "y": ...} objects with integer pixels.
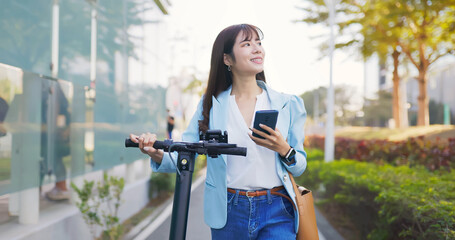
[{"x": 258, "y": 169}]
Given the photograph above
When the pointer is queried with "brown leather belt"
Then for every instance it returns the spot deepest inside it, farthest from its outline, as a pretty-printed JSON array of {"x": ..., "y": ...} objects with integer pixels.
[{"x": 253, "y": 193}]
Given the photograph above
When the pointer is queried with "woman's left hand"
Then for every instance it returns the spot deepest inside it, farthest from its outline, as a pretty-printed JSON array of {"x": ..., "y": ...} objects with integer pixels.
[{"x": 275, "y": 141}]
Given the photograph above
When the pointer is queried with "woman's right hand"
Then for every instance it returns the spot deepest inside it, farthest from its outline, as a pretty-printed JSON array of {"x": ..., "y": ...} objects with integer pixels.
[{"x": 146, "y": 141}]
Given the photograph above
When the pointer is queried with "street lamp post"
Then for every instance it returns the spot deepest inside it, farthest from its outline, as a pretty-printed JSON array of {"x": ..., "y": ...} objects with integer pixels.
[{"x": 330, "y": 121}]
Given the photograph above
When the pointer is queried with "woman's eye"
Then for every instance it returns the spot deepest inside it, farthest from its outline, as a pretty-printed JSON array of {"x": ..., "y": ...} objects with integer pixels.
[
  {"x": 260, "y": 43},
  {"x": 247, "y": 45}
]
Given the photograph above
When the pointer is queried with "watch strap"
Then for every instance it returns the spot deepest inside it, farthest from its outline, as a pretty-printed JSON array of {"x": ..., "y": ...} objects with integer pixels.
[
  {"x": 289, "y": 159},
  {"x": 288, "y": 153}
]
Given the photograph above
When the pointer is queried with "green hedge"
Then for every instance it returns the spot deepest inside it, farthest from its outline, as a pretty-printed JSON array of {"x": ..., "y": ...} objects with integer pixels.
[
  {"x": 433, "y": 154},
  {"x": 386, "y": 202}
]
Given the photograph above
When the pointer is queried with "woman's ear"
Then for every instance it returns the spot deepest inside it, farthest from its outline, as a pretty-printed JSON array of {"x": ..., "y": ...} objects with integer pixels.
[{"x": 227, "y": 59}]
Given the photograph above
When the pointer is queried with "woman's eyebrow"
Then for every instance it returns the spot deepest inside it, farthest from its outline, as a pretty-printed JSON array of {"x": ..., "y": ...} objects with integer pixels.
[{"x": 249, "y": 40}]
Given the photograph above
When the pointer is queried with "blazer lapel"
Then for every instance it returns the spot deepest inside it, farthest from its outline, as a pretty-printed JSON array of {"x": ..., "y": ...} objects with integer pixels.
[
  {"x": 277, "y": 100},
  {"x": 219, "y": 114}
]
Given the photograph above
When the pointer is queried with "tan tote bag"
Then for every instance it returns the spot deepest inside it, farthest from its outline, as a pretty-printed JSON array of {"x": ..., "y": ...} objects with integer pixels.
[{"x": 308, "y": 229}]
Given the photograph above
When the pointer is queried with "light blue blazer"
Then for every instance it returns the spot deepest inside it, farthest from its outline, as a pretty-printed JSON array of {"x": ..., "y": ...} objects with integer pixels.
[{"x": 291, "y": 120}]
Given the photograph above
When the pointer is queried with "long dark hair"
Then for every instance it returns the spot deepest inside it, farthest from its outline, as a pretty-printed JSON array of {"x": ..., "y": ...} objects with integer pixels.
[{"x": 219, "y": 77}]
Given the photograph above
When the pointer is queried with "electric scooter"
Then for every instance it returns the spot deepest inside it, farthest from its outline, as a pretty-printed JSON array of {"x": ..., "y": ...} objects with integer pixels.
[{"x": 212, "y": 143}]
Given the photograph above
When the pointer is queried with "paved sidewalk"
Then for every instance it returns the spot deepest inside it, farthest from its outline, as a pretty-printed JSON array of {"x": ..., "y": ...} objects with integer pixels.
[{"x": 198, "y": 230}]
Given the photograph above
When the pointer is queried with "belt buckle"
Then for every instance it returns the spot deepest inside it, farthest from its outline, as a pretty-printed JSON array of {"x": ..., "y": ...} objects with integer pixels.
[{"x": 247, "y": 192}]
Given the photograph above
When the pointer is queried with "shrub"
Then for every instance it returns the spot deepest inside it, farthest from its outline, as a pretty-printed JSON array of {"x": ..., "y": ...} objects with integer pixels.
[
  {"x": 412, "y": 152},
  {"x": 387, "y": 202},
  {"x": 99, "y": 205},
  {"x": 314, "y": 154},
  {"x": 161, "y": 182}
]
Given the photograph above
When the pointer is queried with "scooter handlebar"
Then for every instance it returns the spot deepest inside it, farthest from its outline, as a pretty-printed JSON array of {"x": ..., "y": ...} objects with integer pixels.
[
  {"x": 212, "y": 148},
  {"x": 156, "y": 145}
]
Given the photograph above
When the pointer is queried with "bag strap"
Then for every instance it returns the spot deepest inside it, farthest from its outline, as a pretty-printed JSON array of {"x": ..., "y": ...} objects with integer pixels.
[
  {"x": 294, "y": 185},
  {"x": 296, "y": 189}
]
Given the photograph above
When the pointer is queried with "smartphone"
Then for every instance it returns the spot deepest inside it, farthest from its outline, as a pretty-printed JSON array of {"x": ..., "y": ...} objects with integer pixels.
[{"x": 266, "y": 117}]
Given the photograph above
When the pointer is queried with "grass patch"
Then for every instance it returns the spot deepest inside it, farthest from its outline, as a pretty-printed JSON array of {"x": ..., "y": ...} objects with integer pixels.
[{"x": 431, "y": 132}]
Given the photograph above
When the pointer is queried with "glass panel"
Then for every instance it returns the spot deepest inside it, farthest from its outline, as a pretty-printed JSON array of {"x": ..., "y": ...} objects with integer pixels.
[
  {"x": 25, "y": 27},
  {"x": 53, "y": 129},
  {"x": 147, "y": 113},
  {"x": 74, "y": 41},
  {"x": 55, "y": 135},
  {"x": 20, "y": 143},
  {"x": 11, "y": 82}
]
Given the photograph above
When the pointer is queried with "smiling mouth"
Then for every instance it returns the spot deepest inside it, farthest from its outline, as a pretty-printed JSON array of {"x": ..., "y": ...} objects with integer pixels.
[{"x": 256, "y": 60}]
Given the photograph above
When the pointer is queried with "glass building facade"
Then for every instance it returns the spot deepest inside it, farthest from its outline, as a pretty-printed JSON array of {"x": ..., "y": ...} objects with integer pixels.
[{"x": 66, "y": 103}]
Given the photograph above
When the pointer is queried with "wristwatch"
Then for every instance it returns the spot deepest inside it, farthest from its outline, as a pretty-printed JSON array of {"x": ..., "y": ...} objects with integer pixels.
[{"x": 289, "y": 159}]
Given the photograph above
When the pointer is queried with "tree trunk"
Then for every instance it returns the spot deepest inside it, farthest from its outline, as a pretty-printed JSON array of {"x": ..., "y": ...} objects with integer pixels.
[
  {"x": 396, "y": 96},
  {"x": 423, "y": 117}
]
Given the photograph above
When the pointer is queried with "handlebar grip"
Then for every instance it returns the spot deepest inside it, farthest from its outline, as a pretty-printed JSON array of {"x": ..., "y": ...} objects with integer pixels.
[
  {"x": 156, "y": 145},
  {"x": 160, "y": 145},
  {"x": 129, "y": 143},
  {"x": 240, "y": 151}
]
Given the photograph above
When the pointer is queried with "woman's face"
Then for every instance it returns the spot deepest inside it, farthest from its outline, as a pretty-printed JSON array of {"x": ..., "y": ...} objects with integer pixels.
[{"x": 249, "y": 55}]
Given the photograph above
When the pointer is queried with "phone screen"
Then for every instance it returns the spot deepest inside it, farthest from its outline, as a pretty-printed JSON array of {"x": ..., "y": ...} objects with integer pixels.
[{"x": 266, "y": 117}]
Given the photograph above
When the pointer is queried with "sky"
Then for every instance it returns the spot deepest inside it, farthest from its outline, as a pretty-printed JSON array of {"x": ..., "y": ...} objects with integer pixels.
[{"x": 292, "y": 60}]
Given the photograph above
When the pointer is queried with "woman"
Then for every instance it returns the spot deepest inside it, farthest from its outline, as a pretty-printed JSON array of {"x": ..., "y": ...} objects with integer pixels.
[{"x": 245, "y": 197}]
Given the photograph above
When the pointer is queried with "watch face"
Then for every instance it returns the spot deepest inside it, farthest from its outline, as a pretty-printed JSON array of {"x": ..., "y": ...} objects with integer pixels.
[
  {"x": 290, "y": 157},
  {"x": 291, "y": 154}
]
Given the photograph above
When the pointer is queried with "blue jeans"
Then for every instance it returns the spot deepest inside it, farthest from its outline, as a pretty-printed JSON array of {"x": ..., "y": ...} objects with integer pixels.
[{"x": 263, "y": 217}]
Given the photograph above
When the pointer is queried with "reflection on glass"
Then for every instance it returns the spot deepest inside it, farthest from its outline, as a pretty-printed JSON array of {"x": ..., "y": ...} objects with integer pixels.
[
  {"x": 51, "y": 129},
  {"x": 55, "y": 131},
  {"x": 5, "y": 140},
  {"x": 74, "y": 41},
  {"x": 11, "y": 82},
  {"x": 25, "y": 27}
]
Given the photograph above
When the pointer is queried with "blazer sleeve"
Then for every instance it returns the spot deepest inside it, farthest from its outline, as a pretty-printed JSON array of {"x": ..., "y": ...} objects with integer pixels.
[
  {"x": 191, "y": 134},
  {"x": 296, "y": 135}
]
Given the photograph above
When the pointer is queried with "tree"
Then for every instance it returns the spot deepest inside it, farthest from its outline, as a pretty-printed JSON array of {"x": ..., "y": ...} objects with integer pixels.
[
  {"x": 381, "y": 36},
  {"x": 370, "y": 41},
  {"x": 428, "y": 33},
  {"x": 343, "y": 97},
  {"x": 196, "y": 85},
  {"x": 377, "y": 111},
  {"x": 422, "y": 30},
  {"x": 309, "y": 100}
]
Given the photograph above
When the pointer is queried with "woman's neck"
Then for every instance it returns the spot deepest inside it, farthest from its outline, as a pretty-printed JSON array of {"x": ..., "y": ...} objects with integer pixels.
[{"x": 245, "y": 87}]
